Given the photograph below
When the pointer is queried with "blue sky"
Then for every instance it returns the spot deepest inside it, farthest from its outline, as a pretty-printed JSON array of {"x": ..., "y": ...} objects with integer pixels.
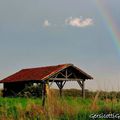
[{"x": 39, "y": 33}]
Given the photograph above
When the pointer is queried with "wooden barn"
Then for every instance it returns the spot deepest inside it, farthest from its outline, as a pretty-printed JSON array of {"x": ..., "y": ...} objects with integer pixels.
[{"x": 60, "y": 74}]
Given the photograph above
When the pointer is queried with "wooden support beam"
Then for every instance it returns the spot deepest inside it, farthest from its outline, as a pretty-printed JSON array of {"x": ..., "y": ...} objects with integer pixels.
[
  {"x": 60, "y": 89},
  {"x": 62, "y": 74},
  {"x": 66, "y": 74},
  {"x": 60, "y": 85},
  {"x": 65, "y": 79},
  {"x": 82, "y": 85},
  {"x": 63, "y": 83},
  {"x": 83, "y": 88},
  {"x": 43, "y": 92},
  {"x": 69, "y": 75}
]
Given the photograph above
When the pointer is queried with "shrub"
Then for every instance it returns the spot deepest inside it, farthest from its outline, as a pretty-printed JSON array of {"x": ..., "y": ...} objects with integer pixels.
[{"x": 31, "y": 91}]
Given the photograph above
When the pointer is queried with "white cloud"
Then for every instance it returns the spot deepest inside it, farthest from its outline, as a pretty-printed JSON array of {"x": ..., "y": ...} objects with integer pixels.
[
  {"x": 79, "y": 22},
  {"x": 46, "y": 23}
]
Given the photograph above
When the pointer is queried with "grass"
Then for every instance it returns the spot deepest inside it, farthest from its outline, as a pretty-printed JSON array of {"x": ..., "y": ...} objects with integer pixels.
[{"x": 56, "y": 108}]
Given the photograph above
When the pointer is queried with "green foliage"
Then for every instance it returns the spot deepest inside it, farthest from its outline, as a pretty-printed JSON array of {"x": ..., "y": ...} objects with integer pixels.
[
  {"x": 31, "y": 91},
  {"x": 91, "y": 94},
  {"x": 36, "y": 91},
  {"x": 68, "y": 108}
]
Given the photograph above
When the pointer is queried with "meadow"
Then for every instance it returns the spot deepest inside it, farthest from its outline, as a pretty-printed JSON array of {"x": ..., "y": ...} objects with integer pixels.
[{"x": 69, "y": 107}]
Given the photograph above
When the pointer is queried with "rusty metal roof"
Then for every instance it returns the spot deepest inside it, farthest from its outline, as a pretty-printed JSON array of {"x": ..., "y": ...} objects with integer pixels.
[{"x": 40, "y": 73}]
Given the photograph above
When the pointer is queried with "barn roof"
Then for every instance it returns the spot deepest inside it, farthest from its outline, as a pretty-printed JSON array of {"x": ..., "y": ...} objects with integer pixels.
[{"x": 40, "y": 73}]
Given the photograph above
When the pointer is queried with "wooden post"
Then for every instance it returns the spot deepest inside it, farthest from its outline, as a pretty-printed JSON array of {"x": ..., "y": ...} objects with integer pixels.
[
  {"x": 83, "y": 88},
  {"x": 60, "y": 85},
  {"x": 82, "y": 85},
  {"x": 4, "y": 90},
  {"x": 60, "y": 92},
  {"x": 43, "y": 93},
  {"x": 61, "y": 88}
]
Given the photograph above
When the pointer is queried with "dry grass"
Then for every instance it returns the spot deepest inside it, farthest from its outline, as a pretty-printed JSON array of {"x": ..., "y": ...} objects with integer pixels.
[
  {"x": 94, "y": 106},
  {"x": 56, "y": 108}
]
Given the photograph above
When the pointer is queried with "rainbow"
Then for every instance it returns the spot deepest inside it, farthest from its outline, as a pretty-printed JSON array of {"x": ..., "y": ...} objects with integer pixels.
[{"x": 110, "y": 22}]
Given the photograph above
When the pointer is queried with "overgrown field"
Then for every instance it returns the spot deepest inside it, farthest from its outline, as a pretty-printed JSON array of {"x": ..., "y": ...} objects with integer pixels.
[{"x": 56, "y": 108}]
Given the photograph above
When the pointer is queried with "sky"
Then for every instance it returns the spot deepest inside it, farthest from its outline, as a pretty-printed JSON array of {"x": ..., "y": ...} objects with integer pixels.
[{"x": 85, "y": 33}]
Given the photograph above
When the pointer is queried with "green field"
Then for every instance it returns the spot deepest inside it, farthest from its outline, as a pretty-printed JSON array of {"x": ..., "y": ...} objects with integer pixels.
[{"x": 56, "y": 108}]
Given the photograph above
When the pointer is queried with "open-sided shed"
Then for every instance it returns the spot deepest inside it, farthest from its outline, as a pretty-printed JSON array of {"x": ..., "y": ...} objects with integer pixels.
[{"x": 59, "y": 74}]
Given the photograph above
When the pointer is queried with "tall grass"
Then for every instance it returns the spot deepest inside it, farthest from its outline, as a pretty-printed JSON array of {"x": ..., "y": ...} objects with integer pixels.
[{"x": 56, "y": 108}]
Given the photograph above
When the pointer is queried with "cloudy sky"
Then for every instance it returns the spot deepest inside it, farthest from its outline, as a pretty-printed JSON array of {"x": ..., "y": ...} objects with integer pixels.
[{"x": 38, "y": 33}]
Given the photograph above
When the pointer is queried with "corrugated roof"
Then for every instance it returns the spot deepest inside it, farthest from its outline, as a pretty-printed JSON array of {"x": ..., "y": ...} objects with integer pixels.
[{"x": 40, "y": 73}]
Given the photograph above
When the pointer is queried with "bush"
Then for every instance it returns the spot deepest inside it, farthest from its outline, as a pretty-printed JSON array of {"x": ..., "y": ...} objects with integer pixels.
[{"x": 31, "y": 91}]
